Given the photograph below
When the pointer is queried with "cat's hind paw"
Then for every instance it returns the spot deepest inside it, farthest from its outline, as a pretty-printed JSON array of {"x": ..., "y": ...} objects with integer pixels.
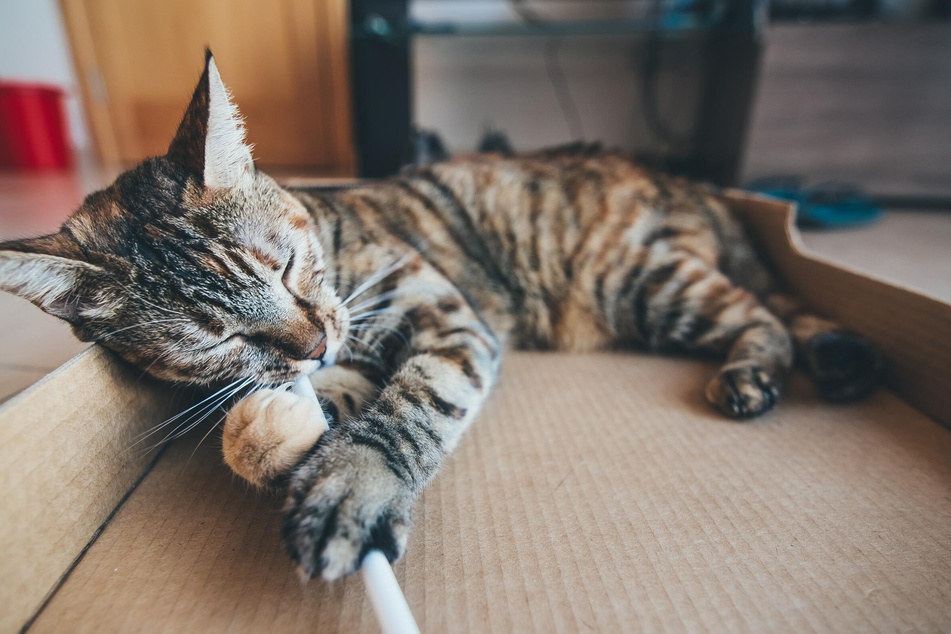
[
  {"x": 269, "y": 432},
  {"x": 744, "y": 391},
  {"x": 844, "y": 366}
]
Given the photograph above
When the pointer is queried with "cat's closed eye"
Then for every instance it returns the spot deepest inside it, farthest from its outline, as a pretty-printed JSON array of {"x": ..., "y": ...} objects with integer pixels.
[{"x": 250, "y": 338}]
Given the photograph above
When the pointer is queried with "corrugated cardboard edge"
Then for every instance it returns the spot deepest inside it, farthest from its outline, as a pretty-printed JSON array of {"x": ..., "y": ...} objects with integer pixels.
[
  {"x": 912, "y": 329},
  {"x": 61, "y": 476}
]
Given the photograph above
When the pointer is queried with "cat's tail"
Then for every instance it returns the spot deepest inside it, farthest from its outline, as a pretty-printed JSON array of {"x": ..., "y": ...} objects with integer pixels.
[{"x": 844, "y": 366}]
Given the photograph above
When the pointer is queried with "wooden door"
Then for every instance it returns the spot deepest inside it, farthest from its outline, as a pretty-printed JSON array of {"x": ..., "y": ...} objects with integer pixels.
[{"x": 285, "y": 61}]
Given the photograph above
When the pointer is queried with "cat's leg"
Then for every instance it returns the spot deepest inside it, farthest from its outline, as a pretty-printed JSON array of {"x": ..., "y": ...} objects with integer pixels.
[
  {"x": 355, "y": 490},
  {"x": 677, "y": 301},
  {"x": 842, "y": 365}
]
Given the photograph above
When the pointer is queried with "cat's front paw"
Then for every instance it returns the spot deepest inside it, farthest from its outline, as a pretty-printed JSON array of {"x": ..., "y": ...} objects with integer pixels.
[
  {"x": 343, "y": 502},
  {"x": 744, "y": 392},
  {"x": 269, "y": 432}
]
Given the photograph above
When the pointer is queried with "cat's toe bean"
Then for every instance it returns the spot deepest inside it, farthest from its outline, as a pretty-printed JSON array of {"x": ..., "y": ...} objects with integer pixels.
[
  {"x": 269, "y": 432},
  {"x": 743, "y": 392}
]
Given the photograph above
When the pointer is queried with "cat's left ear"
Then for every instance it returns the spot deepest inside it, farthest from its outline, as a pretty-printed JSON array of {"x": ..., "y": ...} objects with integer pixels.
[
  {"x": 46, "y": 272},
  {"x": 210, "y": 139}
]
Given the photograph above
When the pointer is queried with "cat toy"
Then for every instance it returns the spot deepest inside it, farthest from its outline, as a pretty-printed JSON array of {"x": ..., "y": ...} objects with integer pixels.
[{"x": 389, "y": 604}]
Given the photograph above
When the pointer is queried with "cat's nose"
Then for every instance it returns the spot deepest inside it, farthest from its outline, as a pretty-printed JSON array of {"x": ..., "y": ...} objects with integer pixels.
[
  {"x": 319, "y": 349},
  {"x": 300, "y": 343}
]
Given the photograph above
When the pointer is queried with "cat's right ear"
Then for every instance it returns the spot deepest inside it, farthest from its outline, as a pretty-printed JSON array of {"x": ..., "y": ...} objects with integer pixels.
[
  {"x": 41, "y": 271},
  {"x": 210, "y": 142}
]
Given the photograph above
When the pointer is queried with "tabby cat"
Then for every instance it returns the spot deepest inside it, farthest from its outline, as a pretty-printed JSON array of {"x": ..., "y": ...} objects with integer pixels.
[{"x": 399, "y": 297}]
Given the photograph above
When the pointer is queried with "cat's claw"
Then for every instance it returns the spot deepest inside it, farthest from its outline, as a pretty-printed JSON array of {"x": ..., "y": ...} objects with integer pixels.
[
  {"x": 343, "y": 502},
  {"x": 269, "y": 432},
  {"x": 743, "y": 392}
]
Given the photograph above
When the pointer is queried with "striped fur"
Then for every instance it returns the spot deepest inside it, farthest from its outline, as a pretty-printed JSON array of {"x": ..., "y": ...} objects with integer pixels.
[{"x": 399, "y": 298}]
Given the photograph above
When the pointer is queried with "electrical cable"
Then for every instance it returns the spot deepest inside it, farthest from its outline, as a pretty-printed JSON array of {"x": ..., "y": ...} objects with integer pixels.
[{"x": 556, "y": 74}]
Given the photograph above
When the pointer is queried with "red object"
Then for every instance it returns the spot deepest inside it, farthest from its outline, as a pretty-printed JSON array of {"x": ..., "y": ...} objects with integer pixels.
[{"x": 32, "y": 127}]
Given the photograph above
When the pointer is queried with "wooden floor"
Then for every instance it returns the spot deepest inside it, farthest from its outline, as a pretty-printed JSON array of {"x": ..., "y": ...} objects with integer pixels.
[{"x": 864, "y": 104}]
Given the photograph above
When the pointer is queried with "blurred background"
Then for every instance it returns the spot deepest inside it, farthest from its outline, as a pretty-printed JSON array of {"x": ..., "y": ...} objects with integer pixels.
[
  {"x": 842, "y": 105},
  {"x": 723, "y": 89}
]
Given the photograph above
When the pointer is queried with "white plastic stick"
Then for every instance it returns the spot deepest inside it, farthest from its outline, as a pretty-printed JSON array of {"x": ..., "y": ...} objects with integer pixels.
[
  {"x": 303, "y": 387},
  {"x": 392, "y": 612},
  {"x": 389, "y": 604}
]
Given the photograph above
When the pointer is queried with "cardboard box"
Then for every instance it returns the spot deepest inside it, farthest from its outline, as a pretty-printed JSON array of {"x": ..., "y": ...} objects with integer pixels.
[{"x": 596, "y": 492}]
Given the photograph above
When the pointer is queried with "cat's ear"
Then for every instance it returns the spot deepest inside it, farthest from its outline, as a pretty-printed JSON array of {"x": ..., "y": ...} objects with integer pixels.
[
  {"x": 210, "y": 139},
  {"x": 42, "y": 271}
]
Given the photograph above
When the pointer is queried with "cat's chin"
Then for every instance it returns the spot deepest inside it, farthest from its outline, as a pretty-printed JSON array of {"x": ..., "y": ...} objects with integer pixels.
[{"x": 309, "y": 366}]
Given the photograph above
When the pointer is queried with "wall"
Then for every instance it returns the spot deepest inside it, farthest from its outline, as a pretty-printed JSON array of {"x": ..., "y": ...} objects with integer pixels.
[
  {"x": 864, "y": 103},
  {"x": 869, "y": 104},
  {"x": 464, "y": 83},
  {"x": 34, "y": 47}
]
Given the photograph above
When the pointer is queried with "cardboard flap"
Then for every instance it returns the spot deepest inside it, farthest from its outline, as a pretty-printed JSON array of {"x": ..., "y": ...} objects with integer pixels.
[
  {"x": 66, "y": 460},
  {"x": 912, "y": 329}
]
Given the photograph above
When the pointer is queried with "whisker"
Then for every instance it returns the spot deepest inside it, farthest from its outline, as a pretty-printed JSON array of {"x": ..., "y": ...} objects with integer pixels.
[
  {"x": 381, "y": 316},
  {"x": 371, "y": 313},
  {"x": 378, "y": 277},
  {"x": 385, "y": 319},
  {"x": 203, "y": 438},
  {"x": 370, "y": 346},
  {"x": 377, "y": 323},
  {"x": 165, "y": 354},
  {"x": 359, "y": 343},
  {"x": 378, "y": 299},
  {"x": 148, "y": 433},
  {"x": 178, "y": 432},
  {"x": 383, "y": 331},
  {"x": 391, "y": 294}
]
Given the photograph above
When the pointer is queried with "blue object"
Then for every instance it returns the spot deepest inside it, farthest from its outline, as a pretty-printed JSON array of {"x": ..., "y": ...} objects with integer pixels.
[{"x": 826, "y": 205}]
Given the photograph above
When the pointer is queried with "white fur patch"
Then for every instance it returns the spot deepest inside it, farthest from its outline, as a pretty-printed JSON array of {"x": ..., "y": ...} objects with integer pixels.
[{"x": 227, "y": 156}]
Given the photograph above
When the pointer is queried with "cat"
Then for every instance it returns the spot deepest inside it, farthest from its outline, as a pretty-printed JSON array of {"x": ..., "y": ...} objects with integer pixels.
[{"x": 399, "y": 297}]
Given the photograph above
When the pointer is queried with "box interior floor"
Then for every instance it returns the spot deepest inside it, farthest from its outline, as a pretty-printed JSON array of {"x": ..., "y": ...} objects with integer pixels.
[{"x": 597, "y": 492}]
